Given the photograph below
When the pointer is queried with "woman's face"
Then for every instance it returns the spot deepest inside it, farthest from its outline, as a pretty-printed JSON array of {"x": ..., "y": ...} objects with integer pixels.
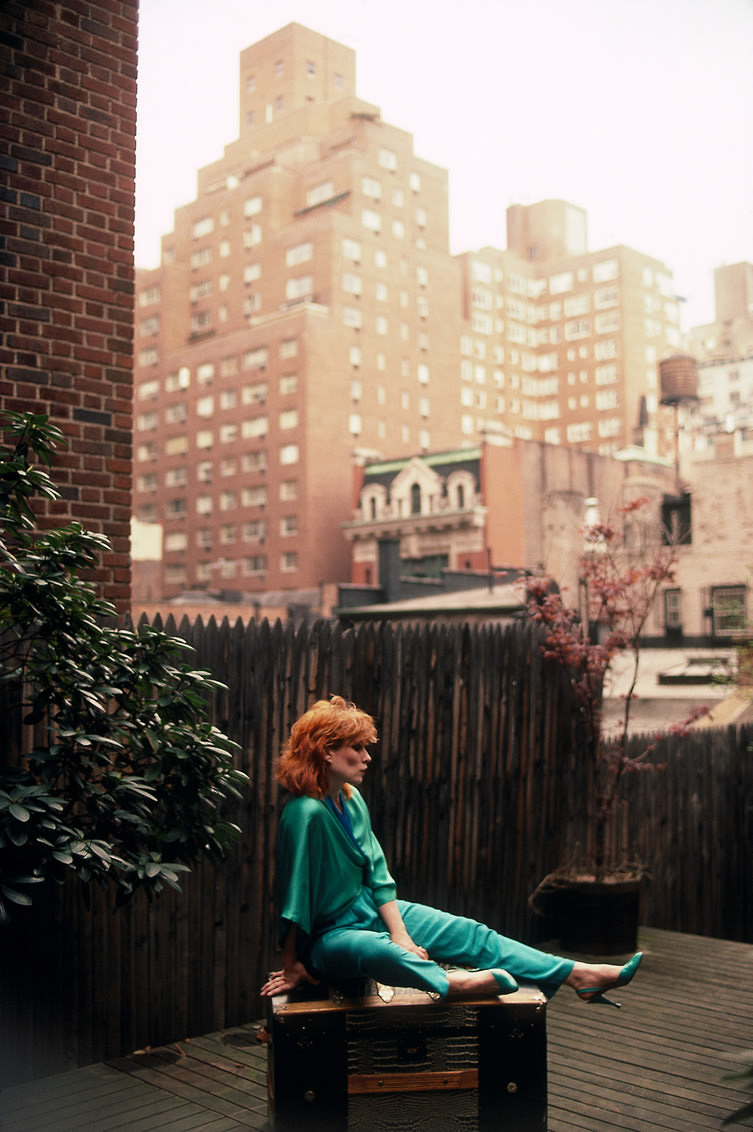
[{"x": 347, "y": 764}]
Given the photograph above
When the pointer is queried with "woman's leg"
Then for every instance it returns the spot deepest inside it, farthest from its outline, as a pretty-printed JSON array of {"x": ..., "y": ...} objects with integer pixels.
[
  {"x": 457, "y": 939},
  {"x": 354, "y": 952}
]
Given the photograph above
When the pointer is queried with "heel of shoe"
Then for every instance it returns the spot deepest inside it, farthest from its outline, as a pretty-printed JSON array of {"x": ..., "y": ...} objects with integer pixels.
[{"x": 593, "y": 997}]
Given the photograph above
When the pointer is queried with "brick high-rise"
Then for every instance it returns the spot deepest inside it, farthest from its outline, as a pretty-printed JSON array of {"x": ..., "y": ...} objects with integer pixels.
[{"x": 307, "y": 309}]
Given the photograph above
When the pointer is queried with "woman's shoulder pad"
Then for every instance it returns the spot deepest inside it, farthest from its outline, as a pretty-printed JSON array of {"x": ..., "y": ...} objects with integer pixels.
[{"x": 302, "y": 806}]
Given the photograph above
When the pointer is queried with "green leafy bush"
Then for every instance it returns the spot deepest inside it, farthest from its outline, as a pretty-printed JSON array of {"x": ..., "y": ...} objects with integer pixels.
[{"x": 127, "y": 779}]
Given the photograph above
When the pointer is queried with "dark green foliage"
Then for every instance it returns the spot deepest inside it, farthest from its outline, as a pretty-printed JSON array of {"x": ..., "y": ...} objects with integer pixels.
[{"x": 126, "y": 780}]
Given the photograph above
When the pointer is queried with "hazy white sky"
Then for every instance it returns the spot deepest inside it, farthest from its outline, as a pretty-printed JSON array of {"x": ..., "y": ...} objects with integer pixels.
[{"x": 640, "y": 111}]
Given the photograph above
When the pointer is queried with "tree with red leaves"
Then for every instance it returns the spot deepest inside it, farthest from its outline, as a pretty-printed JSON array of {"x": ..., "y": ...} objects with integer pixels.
[{"x": 622, "y": 571}]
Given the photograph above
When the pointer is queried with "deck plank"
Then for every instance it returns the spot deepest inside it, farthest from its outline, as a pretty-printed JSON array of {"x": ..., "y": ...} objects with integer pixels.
[
  {"x": 660, "y": 1061},
  {"x": 656, "y": 1065}
]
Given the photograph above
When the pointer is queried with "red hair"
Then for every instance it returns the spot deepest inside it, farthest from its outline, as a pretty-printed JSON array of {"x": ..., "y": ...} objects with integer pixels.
[{"x": 326, "y": 725}]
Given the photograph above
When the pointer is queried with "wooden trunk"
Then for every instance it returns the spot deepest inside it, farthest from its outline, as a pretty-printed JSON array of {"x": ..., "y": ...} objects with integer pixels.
[{"x": 361, "y": 1064}]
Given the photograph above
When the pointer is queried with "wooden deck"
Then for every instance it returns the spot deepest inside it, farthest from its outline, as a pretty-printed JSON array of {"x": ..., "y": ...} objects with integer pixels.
[{"x": 659, "y": 1063}]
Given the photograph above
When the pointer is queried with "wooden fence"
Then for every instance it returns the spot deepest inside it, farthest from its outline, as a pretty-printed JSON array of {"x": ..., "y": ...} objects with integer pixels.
[{"x": 476, "y": 792}]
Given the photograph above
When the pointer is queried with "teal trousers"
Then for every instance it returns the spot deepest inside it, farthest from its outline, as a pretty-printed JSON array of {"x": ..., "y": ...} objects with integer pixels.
[{"x": 357, "y": 945}]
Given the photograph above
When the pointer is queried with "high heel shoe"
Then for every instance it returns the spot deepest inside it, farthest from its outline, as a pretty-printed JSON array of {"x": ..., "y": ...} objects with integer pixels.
[
  {"x": 593, "y": 995},
  {"x": 479, "y": 988},
  {"x": 504, "y": 980}
]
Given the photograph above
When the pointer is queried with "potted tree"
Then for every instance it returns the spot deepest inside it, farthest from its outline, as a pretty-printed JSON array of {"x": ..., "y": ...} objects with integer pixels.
[{"x": 594, "y": 896}]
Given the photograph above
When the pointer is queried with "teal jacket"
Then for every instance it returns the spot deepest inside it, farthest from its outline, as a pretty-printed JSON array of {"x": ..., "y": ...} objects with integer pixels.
[{"x": 320, "y": 870}]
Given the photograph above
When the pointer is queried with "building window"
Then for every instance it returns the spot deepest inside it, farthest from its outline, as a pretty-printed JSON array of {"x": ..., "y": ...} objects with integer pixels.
[
  {"x": 677, "y": 528},
  {"x": 607, "y": 269},
  {"x": 255, "y": 530},
  {"x": 254, "y": 496},
  {"x": 371, "y": 220},
  {"x": 176, "y": 477},
  {"x": 255, "y": 358},
  {"x": 351, "y": 249},
  {"x": 299, "y": 288},
  {"x": 320, "y": 193},
  {"x": 251, "y": 394},
  {"x": 148, "y": 389},
  {"x": 254, "y": 461},
  {"x": 728, "y": 612},
  {"x": 299, "y": 254},
  {"x": 387, "y": 159},
  {"x": 415, "y": 499},
  {"x": 289, "y": 525},
  {"x": 255, "y": 564},
  {"x": 288, "y": 562},
  {"x": 203, "y": 227},
  {"x": 289, "y": 454},
  {"x": 254, "y": 427},
  {"x": 673, "y": 609},
  {"x": 201, "y": 257}
]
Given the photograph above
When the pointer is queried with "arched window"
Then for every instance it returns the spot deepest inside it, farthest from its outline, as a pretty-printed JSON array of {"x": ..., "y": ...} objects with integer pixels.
[
  {"x": 461, "y": 497},
  {"x": 373, "y": 507},
  {"x": 415, "y": 499}
]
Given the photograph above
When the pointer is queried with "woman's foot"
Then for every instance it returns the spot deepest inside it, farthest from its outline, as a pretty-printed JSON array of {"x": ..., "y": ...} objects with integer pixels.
[
  {"x": 479, "y": 984},
  {"x": 591, "y": 980}
]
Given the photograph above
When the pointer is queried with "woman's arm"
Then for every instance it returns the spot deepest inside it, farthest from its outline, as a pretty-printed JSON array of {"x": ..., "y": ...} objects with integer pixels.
[
  {"x": 293, "y": 972},
  {"x": 393, "y": 921}
]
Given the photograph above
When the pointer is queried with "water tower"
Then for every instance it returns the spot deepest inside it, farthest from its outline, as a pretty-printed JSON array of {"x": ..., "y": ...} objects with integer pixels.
[{"x": 678, "y": 382}]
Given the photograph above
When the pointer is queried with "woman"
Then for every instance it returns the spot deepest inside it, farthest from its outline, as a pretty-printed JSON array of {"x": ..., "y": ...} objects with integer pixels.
[{"x": 340, "y": 918}]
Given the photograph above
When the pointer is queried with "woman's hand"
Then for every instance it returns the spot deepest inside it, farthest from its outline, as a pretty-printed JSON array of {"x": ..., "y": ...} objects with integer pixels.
[
  {"x": 402, "y": 938},
  {"x": 394, "y": 924},
  {"x": 291, "y": 976}
]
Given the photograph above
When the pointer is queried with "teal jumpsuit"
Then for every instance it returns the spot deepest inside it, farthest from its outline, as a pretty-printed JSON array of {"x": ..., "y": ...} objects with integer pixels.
[{"x": 333, "y": 878}]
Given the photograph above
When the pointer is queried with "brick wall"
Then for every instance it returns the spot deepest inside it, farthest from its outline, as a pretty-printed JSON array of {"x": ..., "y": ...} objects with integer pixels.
[{"x": 67, "y": 166}]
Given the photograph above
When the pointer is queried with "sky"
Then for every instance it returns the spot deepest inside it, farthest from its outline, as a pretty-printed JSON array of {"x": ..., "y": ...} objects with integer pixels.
[{"x": 639, "y": 111}]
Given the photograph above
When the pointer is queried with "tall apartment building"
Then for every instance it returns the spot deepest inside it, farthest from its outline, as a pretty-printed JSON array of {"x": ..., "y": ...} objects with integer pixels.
[
  {"x": 561, "y": 344},
  {"x": 307, "y": 311},
  {"x": 724, "y": 352}
]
